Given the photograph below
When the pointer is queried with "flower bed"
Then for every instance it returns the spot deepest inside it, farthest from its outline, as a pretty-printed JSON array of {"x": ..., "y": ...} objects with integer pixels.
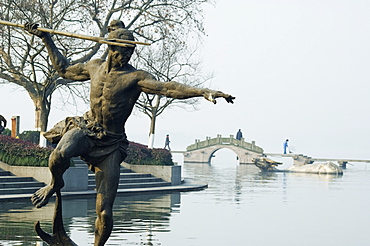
[
  {"x": 139, "y": 154},
  {"x": 18, "y": 152}
]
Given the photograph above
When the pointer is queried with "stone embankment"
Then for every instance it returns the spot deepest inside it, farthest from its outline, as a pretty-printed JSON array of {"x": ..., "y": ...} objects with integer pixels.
[{"x": 21, "y": 182}]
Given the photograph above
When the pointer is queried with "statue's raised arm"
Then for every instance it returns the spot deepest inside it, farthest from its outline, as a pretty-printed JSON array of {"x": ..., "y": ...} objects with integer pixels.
[
  {"x": 180, "y": 91},
  {"x": 76, "y": 72}
]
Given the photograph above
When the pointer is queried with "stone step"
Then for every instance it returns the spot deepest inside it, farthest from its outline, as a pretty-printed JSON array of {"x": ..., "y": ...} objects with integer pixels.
[
  {"x": 12, "y": 191},
  {"x": 122, "y": 170},
  {"x": 136, "y": 185},
  {"x": 5, "y": 179},
  {"x": 140, "y": 180},
  {"x": 125, "y": 175},
  {"x": 13, "y": 185},
  {"x": 143, "y": 185},
  {"x": 78, "y": 162},
  {"x": 5, "y": 173},
  {"x": 132, "y": 180},
  {"x": 125, "y": 170}
]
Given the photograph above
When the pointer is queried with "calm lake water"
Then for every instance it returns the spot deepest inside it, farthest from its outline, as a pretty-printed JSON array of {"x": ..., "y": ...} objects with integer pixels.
[{"x": 242, "y": 207}]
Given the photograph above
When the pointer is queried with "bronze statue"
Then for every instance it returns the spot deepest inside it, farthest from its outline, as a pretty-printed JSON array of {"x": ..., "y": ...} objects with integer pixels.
[
  {"x": 99, "y": 136},
  {"x": 266, "y": 164},
  {"x": 2, "y": 124}
]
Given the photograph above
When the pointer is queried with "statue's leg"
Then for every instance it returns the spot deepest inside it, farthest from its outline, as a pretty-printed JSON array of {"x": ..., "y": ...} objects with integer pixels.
[
  {"x": 59, "y": 236},
  {"x": 73, "y": 143},
  {"x": 107, "y": 176}
]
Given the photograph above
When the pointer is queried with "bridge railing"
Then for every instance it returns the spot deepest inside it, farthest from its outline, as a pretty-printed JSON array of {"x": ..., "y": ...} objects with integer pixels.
[{"x": 224, "y": 141}]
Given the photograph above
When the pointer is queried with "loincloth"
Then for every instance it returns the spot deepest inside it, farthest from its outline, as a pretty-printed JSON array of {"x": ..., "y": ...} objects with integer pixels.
[{"x": 102, "y": 142}]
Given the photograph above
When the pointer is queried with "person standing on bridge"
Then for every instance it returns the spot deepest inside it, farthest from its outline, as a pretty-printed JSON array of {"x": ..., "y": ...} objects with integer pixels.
[
  {"x": 239, "y": 135},
  {"x": 167, "y": 142},
  {"x": 286, "y": 148}
]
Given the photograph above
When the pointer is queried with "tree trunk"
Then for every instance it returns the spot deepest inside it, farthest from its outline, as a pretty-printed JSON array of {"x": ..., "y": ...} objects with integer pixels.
[
  {"x": 153, "y": 112},
  {"x": 42, "y": 111},
  {"x": 152, "y": 131}
]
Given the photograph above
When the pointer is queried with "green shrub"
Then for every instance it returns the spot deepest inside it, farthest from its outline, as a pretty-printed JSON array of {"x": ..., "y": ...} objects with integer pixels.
[
  {"x": 18, "y": 152},
  {"x": 7, "y": 132},
  {"x": 31, "y": 136},
  {"x": 138, "y": 154}
]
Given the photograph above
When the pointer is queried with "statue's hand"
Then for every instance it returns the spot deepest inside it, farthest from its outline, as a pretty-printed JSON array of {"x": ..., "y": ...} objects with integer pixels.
[
  {"x": 212, "y": 95},
  {"x": 32, "y": 28},
  {"x": 229, "y": 98}
]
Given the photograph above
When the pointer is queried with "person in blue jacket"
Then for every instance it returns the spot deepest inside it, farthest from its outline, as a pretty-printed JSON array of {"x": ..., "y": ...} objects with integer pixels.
[
  {"x": 239, "y": 135},
  {"x": 286, "y": 146}
]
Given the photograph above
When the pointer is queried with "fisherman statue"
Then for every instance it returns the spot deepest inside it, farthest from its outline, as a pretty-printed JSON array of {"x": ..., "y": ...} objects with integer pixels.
[{"x": 98, "y": 136}]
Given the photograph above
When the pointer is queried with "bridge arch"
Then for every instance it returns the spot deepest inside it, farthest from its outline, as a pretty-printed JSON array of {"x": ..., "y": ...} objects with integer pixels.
[
  {"x": 202, "y": 151},
  {"x": 216, "y": 150}
]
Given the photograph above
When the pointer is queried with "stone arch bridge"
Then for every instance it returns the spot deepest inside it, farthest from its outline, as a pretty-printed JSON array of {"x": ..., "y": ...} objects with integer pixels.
[{"x": 203, "y": 151}]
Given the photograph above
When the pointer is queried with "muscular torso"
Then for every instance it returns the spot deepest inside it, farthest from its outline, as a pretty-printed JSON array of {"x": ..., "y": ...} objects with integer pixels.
[{"x": 113, "y": 95}]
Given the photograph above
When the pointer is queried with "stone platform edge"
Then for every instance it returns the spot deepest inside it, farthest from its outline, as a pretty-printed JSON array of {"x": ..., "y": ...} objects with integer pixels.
[
  {"x": 185, "y": 186},
  {"x": 76, "y": 178}
]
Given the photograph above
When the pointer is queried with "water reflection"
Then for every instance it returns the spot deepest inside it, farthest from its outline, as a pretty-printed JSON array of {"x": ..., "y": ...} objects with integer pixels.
[
  {"x": 249, "y": 183},
  {"x": 142, "y": 214},
  {"x": 240, "y": 206},
  {"x": 17, "y": 220}
]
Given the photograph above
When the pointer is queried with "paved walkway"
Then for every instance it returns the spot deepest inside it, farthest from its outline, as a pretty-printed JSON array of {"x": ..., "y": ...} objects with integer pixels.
[{"x": 187, "y": 185}]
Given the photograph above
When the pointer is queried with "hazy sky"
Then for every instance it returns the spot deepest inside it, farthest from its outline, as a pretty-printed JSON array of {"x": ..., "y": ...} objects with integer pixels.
[{"x": 298, "y": 69}]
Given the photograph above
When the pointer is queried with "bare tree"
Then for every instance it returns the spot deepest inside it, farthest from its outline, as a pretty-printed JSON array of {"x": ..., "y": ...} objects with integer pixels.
[
  {"x": 24, "y": 60},
  {"x": 172, "y": 62}
]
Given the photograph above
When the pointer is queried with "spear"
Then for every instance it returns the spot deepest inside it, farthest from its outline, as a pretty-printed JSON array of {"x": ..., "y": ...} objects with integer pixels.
[{"x": 118, "y": 42}]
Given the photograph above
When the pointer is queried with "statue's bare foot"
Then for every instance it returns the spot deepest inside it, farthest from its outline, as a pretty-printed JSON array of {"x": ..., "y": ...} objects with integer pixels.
[{"x": 41, "y": 197}]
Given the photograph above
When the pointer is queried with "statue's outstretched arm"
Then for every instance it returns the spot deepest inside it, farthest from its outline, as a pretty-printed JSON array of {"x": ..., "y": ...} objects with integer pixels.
[
  {"x": 180, "y": 91},
  {"x": 60, "y": 63}
]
